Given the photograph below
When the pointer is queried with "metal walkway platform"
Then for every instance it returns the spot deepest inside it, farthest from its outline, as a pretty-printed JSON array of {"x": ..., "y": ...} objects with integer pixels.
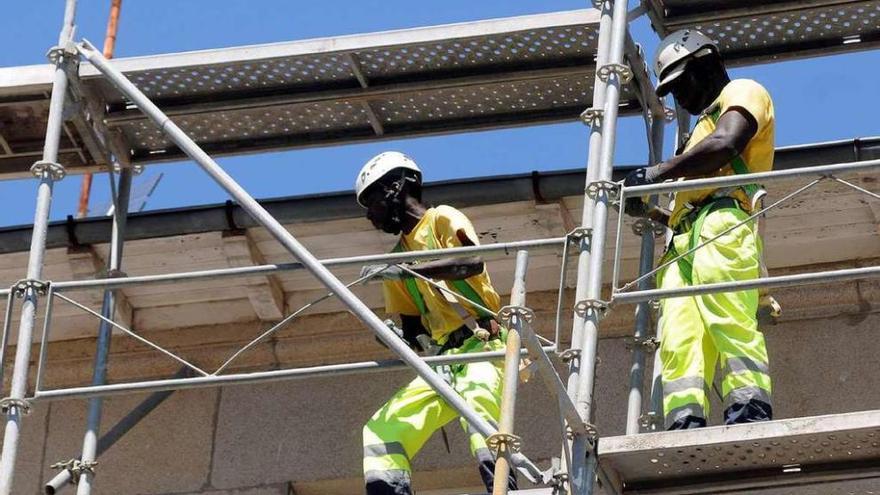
[
  {"x": 808, "y": 453},
  {"x": 751, "y": 32},
  {"x": 450, "y": 78}
]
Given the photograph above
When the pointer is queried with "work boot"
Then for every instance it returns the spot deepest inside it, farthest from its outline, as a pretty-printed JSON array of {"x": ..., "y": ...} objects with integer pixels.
[
  {"x": 396, "y": 482},
  {"x": 752, "y": 411},
  {"x": 687, "y": 423}
]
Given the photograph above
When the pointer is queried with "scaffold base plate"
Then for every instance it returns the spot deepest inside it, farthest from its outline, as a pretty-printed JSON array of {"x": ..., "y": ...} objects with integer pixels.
[{"x": 800, "y": 451}]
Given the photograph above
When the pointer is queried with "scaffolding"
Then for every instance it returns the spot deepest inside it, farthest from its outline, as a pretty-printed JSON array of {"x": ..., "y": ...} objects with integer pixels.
[{"x": 487, "y": 74}]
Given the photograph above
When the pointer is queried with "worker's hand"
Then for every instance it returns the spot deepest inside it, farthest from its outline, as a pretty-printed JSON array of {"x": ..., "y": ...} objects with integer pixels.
[
  {"x": 387, "y": 272},
  {"x": 636, "y": 206}
]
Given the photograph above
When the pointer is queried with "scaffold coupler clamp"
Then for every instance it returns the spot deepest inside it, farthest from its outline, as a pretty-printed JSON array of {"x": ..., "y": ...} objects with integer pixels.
[
  {"x": 622, "y": 70},
  {"x": 587, "y": 306},
  {"x": 507, "y": 312},
  {"x": 611, "y": 189},
  {"x": 556, "y": 476},
  {"x": 643, "y": 225},
  {"x": 579, "y": 235},
  {"x": 504, "y": 443},
  {"x": 59, "y": 53},
  {"x": 649, "y": 344},
  {"x": 569, "y": 355},
  {"x": 76, "y": 468},
  {"x": 589, "y": 430},
  {"x": 22, "y": 405},
  {"x": 668, "y": 114},
  {"x": 592, "y": 116},
  {"x": 55, "y": 171},
  {"x": 20, "y": 288}
]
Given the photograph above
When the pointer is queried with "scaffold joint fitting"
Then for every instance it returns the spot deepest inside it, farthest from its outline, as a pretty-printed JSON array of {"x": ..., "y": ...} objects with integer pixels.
[
  {"x": 623, "y": 72},
  {"x": 76, "y": 468},
  {"x": 592, "y": 116},
  {"x": 612, "y": 189},
  {"x": 587, "y": 429},
  {"x": 583, "y": 308},
  {"x": 568, "y": 355},
  {"x": 67, "y": 51},
  {"x": 668, "y": 114},
  {"x": 504, "y": 443},
  {"x": 54, "y": 170},
  {"x": 649, "y": 344},
  {"x": 579, "y": 234},
  {"x": 20, "y": 288},
  {"x": 507, "y": 312},
  {"x": 643, "y": 225},
  {"x": 7, "y": 403}
]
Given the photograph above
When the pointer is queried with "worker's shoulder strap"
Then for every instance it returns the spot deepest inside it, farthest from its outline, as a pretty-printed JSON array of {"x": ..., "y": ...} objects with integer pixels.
[
  {"x": 738, "y": 164},
  {"x": 460, "y": 286}
]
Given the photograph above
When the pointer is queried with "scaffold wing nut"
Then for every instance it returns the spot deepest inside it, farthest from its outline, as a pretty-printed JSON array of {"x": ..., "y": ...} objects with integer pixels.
[
  {"x": 592, "y": 116},
  {"x": 567, "y": 355}
]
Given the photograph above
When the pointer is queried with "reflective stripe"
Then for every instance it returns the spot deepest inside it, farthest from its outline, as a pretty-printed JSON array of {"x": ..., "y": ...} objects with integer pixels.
[
  {"x": 745, "y": 379},
  {"x": 743, "y": 395},
  {"x": 381, "y": 449},
  {"x": 683, "y": 384},
  {"x": 741, "y": 364},
  {"x": 684, "y": 411}
]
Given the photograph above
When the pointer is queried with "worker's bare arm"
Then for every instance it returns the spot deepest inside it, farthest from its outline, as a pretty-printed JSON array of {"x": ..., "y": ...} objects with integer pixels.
[{"x": 732, "y": 133}]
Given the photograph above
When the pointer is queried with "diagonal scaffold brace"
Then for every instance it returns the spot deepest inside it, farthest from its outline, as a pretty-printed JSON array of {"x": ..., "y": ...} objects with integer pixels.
[{"x": 289, "y": 242}]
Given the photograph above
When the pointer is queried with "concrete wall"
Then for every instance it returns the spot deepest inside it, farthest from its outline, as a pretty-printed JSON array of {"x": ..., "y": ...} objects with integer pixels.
[{"x": 303, "y": 436}]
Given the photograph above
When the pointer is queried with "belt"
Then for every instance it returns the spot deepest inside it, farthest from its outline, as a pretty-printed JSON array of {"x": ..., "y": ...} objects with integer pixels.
[{"x": 687, "y": 221}]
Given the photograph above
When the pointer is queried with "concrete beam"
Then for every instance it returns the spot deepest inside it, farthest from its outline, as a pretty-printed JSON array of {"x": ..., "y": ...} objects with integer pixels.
[{"x": 265, "y": 293}]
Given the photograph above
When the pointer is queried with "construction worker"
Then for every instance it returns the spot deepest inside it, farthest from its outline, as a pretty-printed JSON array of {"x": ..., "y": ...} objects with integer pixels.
[
  {"x": 389, "y": 187},
  {"x": 733, "y": 135}
]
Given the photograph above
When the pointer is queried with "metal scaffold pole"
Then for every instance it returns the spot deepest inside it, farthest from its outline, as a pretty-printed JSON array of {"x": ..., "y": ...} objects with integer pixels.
[
  {"x": 108, "y": 310},
  {"x": 48, "y": 172},
  {"x": 589, "y": 306},
  {"x": 292, "y": 245}
]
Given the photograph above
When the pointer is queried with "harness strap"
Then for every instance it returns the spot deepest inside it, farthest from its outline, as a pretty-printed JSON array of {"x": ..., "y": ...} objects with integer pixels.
[{"x": 738, "y": 164}]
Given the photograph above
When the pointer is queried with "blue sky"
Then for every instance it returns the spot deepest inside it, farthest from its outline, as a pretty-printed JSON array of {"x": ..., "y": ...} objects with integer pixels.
[{"x": 816, "y": 100}]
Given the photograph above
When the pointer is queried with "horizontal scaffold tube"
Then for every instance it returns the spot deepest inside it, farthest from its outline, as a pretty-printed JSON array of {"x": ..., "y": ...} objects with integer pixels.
[
  {"x": 760, "y": 177},
  {"x": 758, "y": 283},
  {"x": 258, "y": 376},
  {"x": 403, "y": 257}
]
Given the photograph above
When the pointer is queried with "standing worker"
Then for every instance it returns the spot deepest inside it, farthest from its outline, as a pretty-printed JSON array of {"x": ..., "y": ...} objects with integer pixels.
[
  {"x": 734, "y": 134},
  {"x": 389, "y": 187}
]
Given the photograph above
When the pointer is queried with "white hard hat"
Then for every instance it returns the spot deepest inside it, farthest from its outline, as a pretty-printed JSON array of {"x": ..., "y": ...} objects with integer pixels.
[
  {"x": 381, "y": 165},
  {"x": 678, "y": 46}
]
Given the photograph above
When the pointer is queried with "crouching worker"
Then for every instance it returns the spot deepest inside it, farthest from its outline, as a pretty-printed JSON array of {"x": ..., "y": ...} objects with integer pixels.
[{"x": 389, "y": 187}]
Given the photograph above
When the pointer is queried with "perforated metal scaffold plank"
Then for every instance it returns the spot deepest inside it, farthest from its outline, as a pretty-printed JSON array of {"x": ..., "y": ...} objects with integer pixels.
[
  {"x": 764, "y": 31},
  {"x": 453, "y": 78},
  {"x": 730, "y": 459}
]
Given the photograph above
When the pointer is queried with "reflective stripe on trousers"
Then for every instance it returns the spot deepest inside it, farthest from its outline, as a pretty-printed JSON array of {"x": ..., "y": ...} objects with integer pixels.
[{"x": 699, "y": 330}]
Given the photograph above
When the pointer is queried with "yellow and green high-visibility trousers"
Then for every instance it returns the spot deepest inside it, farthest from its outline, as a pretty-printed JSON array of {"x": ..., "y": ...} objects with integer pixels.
[
  {"x": 399, "y": 429},
  {"x": 697, "y": 331}
]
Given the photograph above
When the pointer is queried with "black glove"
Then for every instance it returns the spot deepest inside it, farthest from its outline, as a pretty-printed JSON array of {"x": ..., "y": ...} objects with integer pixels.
[{"x": 635, "y": 206}]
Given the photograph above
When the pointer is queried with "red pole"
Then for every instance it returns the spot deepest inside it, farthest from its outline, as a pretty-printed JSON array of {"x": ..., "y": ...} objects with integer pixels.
[{"x": 109, "y": 44}]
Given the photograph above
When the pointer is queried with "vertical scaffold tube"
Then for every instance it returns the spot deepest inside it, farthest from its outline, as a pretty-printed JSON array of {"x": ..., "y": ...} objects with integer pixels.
[
  {"x": 643, "y": 310},
  {"x": 590, "y": 283},
  {"x": 105, "y": 331},
  {"x": 511, "y": 372},
  {"x": 14, "y": 405},
  {"x": 292, "y": 245}
]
